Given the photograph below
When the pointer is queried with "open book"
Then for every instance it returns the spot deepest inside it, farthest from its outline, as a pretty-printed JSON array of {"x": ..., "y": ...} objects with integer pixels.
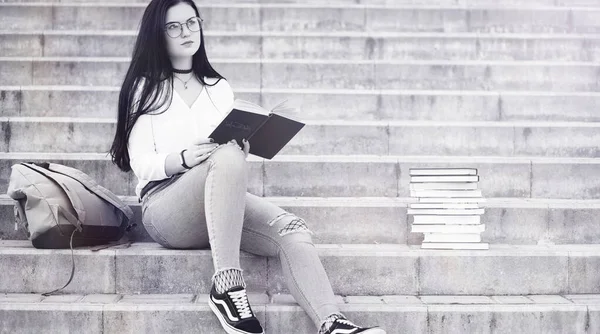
[{"x": 266, "y": 131}]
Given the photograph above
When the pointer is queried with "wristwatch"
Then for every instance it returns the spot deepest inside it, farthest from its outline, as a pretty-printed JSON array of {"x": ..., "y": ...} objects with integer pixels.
[{"x": 182, "y": 160}]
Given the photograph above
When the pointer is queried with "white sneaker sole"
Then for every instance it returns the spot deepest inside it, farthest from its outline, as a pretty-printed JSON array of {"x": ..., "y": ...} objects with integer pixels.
[
  {"x": 227, "y": 327},
  {"x": 374, "y": 331}
]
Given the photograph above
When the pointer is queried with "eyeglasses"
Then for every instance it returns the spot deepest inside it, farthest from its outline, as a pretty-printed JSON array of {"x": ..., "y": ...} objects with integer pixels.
[{"x": 175, "y": 29}]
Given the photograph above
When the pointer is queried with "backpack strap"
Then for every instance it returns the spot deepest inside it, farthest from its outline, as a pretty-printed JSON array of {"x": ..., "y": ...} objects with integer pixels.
[
  {"x": 20, "y": 217},
  {"x": 124, "y": 242},
  {"x": 46, "y": 294}
]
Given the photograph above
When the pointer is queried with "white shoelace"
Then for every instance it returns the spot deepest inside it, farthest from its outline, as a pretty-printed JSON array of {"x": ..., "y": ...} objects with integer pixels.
[
  {"x": 346, "y": 322},
  {"x": 340, "y": 320},
  {"x": 240, "y": 299}
]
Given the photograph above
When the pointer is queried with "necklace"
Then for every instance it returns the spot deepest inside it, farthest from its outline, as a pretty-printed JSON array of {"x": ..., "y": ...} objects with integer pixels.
[
  {"x": 182, "y": 71},
  {"x": 184, "y": 82}
]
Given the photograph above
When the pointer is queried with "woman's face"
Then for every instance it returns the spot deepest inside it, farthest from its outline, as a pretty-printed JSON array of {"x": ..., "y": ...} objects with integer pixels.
[{"x": 177, "y": 17}]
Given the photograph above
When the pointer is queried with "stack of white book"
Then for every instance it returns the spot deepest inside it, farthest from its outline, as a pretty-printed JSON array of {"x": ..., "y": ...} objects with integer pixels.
[{"x": 447, "y": 210}]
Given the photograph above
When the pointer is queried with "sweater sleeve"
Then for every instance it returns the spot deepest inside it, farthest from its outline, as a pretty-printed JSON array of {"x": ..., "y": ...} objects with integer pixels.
[{"x": 145, "y": 162}]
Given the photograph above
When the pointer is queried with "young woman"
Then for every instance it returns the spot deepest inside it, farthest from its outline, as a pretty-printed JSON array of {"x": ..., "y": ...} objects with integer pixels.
[{"x": 193, "y": 192}]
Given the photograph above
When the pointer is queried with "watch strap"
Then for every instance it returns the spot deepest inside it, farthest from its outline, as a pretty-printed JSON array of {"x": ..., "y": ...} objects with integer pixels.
[{"x": 182, "y": 159}]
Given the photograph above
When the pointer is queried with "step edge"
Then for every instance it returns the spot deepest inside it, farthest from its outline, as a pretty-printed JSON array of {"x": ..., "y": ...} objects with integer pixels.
[
  {"x": 338, "y": 34},
  {"x": 371, "y": 92},
  {"x": 344, "y": 123},
  {"x": 420, "y": 159},
  {"x": 324, "y": 61},
  {"x": 24, "y": 247},
  {"x": 236, "y": 5}
]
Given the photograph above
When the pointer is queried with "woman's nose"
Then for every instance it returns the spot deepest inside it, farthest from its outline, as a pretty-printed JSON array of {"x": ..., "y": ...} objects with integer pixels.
[{"x": 185, "y": 31}]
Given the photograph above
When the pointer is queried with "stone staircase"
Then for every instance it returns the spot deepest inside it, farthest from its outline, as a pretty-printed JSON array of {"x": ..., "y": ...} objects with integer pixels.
[{"x": 384, "y": 86}]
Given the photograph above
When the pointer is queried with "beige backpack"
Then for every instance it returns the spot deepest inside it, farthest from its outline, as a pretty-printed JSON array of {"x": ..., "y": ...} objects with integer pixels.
[{"x": 62, "y": 207}]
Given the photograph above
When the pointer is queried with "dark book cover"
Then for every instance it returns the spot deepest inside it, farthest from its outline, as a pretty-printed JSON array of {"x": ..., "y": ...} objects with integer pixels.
[
  {"x": 267, "y": 135},
  {"x": 273, "y": 135},
  {"x": 238, "y": 124}
]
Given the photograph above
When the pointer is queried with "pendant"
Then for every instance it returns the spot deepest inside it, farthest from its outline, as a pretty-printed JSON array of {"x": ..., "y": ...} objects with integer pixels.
[{"x": 185, "y": 85}]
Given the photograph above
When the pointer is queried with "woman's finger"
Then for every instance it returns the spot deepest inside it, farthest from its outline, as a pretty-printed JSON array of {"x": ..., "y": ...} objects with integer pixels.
[
  {"x": 246, "y": 148},
  {"x": 201, "y": 141},
  {"x": 195, "y": 154},
  {"x": 207, "y": 146},
  {"x": 201, "y": 149},
  {"x": 205, "y": 149}
]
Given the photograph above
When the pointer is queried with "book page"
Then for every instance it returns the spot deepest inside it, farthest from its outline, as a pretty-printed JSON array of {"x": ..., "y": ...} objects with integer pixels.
[
  {"x": 281, "y": 106},
  {"x": 284, "y": 109},
  {"x": 249, "y": 107}
]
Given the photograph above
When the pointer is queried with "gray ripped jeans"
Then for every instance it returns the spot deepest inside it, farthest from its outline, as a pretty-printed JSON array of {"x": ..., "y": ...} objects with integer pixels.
[{"x": 209, "y": 206}]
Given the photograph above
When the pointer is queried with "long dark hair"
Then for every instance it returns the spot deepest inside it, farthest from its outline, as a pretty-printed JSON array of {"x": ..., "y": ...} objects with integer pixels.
[{"x": 151, "y": 62}]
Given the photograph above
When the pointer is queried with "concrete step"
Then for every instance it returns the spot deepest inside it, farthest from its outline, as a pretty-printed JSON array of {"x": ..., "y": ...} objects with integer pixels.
[
  {"x": 312, "y": 17},
  {"x": 331, "y": 137},
  {"x": 364, "y": 74},
  {"x": 341, "y": 104},
  {"x": 111, "y": 313},
  {"x": 330, "y": 45},
  {"x": 117, "y": 313},
  {"x": 389, "y": 3},
  {"x": 362, "y": 220},
  {"x": 383, "y": 269},
  {"x": 363, "y": 176}
]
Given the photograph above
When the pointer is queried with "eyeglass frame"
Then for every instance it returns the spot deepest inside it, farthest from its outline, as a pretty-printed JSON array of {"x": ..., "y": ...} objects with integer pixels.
[{"x": 200, "y": 20}]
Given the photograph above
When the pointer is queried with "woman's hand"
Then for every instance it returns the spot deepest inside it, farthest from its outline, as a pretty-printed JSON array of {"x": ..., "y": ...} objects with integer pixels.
[
  {"x": 246, "y": 147},
  {"x": 196, "y": 153}
]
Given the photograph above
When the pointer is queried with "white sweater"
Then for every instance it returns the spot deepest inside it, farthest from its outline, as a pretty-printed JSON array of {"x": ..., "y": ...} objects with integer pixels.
[{"x": 154, "y": 136}]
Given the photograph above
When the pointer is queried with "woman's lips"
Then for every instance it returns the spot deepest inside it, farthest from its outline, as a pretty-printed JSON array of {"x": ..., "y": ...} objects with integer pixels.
[{"x": 187, "y": 43}]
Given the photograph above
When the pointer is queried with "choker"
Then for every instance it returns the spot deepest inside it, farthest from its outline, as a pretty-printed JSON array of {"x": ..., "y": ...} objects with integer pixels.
[{"x": 182, "y": 71}]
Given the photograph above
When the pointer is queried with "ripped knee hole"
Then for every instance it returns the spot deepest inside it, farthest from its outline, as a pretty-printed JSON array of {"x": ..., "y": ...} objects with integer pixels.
[{"x": 295, "y": 224}]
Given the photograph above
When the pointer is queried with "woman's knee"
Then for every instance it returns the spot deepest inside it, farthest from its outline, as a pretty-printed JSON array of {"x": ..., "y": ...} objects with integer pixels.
[
  {"x": 289, "y": 226},
  {"x": 284, "y": 232},
  {"x": 229, "y": 156}
]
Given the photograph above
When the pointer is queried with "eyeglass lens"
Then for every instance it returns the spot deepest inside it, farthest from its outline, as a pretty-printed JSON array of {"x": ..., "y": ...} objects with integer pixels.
[{"x": 175, "y": 29}]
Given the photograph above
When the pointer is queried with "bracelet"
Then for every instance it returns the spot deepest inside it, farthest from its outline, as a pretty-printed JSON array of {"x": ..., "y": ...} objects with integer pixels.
[{"x": 182, "y": 159}]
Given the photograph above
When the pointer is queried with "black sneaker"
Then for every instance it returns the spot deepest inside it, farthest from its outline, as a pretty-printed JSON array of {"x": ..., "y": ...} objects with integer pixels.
[
  {"x": 343, "y": 326},
  {"x": 233, "y": 310}
]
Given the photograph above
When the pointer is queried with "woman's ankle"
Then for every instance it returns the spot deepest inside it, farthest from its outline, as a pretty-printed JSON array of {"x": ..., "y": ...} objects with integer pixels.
[{"x": 226, "y": 279}]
